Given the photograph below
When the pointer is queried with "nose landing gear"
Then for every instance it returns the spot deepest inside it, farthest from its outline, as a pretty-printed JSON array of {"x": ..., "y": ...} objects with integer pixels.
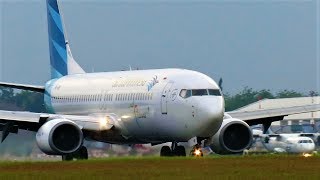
[{"x": 196, "y": 151}]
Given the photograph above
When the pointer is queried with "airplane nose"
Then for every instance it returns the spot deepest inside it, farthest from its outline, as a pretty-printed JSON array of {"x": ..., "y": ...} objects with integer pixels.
[{"x": 210, "y": 113}]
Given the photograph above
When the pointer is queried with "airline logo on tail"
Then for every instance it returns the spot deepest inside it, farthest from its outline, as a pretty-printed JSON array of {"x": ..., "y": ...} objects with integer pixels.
[
  {"x": 61, "y": 60},
  {"x": 57, "y": 44}
]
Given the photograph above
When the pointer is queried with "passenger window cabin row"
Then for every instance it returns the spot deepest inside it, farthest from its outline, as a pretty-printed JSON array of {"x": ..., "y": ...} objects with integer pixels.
[{"x": 104, "y": 98}]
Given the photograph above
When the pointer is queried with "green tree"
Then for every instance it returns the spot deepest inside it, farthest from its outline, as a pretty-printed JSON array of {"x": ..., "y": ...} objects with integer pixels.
[
  {"x": 288, "y": 94},
  {"x": 30, "y": 101},
  {"x": 6, "y": 94},
  {"x": 246, "y": 96}
]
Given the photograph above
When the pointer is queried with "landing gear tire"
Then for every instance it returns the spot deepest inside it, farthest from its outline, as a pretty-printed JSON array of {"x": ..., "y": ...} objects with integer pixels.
[
  {"x": 165, "y": 151},
  {"x": 83, "y": 153},
  {"x": 67, "y": 157},
  {"x": 80, "y": 154},
  {"x": 180, "y": 151}
]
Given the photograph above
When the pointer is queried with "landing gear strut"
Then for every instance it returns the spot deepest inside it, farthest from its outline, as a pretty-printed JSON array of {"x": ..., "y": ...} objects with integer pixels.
[
  {"x": 175, "y": 150},
  {"x": 80, "y": 154},
  {"x": 196, "y": 149}
]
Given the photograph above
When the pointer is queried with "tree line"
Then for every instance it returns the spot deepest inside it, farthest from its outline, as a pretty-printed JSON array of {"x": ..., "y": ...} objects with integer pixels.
[
  {"x": 13, "y": 99},
  {"x": 249, "y": 95}
]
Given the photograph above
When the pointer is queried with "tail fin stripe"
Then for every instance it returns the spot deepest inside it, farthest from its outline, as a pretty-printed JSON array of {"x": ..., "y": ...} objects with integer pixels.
[
  {"x": 56, "y": 17},
  {"x": 61, "y": 60},
  {"x": 55, "y": 72},
  {"x": 60, "y": 50},
  {"x": 55, "y": 33},
  {"x": 58, "y": 63}
]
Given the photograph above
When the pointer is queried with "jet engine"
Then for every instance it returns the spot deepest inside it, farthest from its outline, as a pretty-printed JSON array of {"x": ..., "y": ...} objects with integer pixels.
[
  {"x": 59, "y": 136},
  {"x": 234, "y": 136}
]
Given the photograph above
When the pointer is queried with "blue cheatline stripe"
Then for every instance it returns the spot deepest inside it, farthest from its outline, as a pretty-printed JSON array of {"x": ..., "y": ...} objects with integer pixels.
[
  {"x": 47, "y": 96},
  {"x": 56, "y": 17}
]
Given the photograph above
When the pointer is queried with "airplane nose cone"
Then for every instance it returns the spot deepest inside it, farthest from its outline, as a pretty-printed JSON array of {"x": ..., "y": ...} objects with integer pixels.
[
  {"x": 210, "y": 113},
  {"x": 311, "y": 147}
]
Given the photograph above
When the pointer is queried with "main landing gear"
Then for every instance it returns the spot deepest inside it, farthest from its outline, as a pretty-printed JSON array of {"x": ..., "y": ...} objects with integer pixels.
[
  {"x": 80, "y": 154},
  {"x": 175, "y": 150}
]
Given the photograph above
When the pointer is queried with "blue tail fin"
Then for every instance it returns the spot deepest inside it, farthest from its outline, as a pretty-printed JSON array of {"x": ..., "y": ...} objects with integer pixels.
[{"x": 61, "y": 60}]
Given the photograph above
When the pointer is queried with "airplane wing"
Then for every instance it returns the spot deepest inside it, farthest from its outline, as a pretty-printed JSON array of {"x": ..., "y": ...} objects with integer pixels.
[
  {"x": 12, "y": 121},
  {"x": 267, "y": 116},
  {"x": 40, "y": 89}
]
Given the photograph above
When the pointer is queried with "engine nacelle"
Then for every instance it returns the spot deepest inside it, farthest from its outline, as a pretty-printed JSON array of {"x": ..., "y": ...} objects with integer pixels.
[
  {"x": 59, "y": 136},
  {"x": 234, "y": 136}
]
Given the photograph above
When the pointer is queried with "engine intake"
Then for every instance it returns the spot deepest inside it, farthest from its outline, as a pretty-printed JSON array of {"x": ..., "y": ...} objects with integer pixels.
[
  {"x": 234, "y": 136},
  {"x": 59, "y": 136}
]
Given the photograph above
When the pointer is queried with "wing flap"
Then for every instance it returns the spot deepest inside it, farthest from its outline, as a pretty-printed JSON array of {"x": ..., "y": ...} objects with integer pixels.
[{"x": 22, "y": 116}]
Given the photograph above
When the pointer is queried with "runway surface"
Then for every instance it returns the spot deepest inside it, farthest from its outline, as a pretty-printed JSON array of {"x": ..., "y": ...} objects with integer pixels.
[{"x": 222, "y": 167}]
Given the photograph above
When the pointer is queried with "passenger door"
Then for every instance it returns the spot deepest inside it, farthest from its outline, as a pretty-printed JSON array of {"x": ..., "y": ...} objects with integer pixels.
[{"x": 165, "y": 97}]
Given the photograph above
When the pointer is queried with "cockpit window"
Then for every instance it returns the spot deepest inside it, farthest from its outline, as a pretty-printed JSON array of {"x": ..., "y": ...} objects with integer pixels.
[
  {"x": 185, "y": 93},
  {"x": 214, "y": 92},
  {"x": 199, "y": 92},
  {"x": 304, "y": 141}
]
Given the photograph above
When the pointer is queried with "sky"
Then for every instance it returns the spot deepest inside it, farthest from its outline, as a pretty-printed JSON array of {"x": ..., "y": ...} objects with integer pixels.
[{"x": 262, "y": 44}]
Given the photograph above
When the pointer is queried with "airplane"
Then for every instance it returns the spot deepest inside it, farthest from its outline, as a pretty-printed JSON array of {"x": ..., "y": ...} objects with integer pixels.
[
  {"x": 286, "y": 143},
  {"x": 131, "y": 107}
]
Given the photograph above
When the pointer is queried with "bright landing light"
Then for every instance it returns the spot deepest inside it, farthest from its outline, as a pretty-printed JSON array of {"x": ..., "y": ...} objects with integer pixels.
[
  {"x": 125, "y": 117},
  {"x": 306, "y": 155},
  {"x": 103, "y": 122},
  {"x": 197, "y": 152}
]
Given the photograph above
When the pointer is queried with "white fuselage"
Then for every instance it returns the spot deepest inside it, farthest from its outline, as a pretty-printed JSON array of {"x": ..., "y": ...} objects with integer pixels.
[
  {"x": 289, "y": 144},
  {"x": 147, "y": 103}
]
